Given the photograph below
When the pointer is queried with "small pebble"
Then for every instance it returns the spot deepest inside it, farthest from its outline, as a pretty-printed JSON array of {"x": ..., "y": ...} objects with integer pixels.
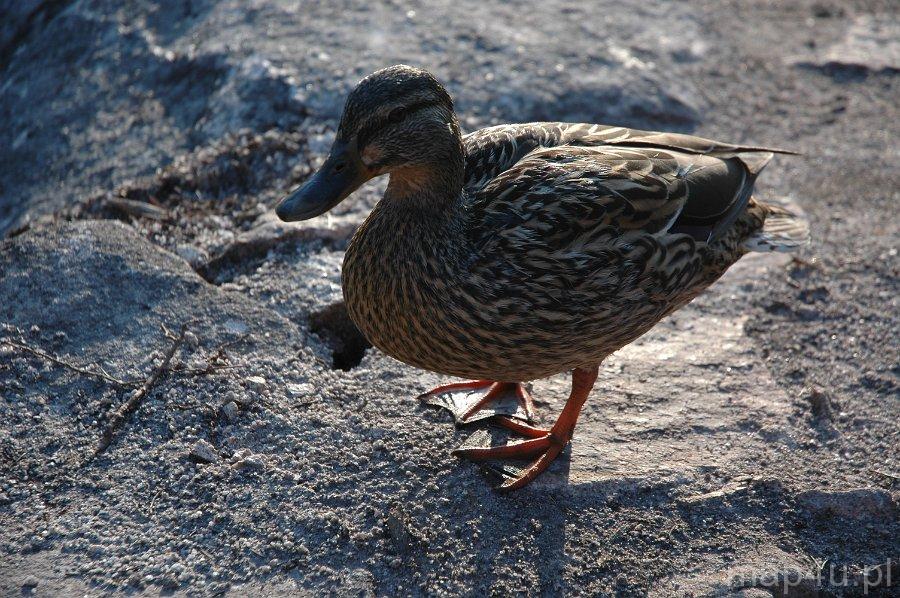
[
  {"x": 298, "y": 390},
  {"x": 245, "y": 459},
  {"x": 257, "y": 383},
  {"x": 230, "y": 410},
  {"x": 191, "y": 339},
  {"x": 204, "y": 452}
]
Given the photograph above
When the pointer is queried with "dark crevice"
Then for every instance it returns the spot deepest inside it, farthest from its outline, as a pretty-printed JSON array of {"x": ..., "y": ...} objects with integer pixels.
[
  {"x": 218, "y": 178},
  {"x": 334, "y": 326},
  {"x": 235, "y": 179},
  {"x": 847, "y": 72},
  {"x": 248, "y": 253}
]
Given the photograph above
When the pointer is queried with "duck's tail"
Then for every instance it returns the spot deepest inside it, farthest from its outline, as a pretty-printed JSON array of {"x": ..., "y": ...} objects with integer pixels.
[{"x": 785, "y": 229}]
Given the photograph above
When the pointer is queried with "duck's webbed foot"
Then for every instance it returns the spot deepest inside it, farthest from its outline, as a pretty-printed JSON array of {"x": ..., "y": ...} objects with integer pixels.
[
  {"x": 487, "y": 391},
  {"x": 542, "y": 446}
]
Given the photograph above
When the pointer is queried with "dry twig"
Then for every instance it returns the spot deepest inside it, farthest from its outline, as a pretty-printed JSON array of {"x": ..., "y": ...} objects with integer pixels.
[
  {"x": 66, "y": 364},
  {"x": 206, "y": 370},
  {"x": 119, "y": 418},
  {"x": 138, "y": 209},
  {"x": 134, "y": 401},
  {"x": 213, "y": 360}
]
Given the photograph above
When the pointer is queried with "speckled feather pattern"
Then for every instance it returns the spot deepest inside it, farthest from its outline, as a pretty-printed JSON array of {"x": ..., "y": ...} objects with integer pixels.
[{"x": 563, "y": 247}]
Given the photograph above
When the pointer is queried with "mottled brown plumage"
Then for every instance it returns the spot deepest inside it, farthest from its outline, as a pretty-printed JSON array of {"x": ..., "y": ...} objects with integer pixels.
[{"x": 522, "y": 251}]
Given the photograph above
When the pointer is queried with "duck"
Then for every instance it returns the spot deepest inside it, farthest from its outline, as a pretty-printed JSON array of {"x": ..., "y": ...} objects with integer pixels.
[{"x": 521, "y": 251}]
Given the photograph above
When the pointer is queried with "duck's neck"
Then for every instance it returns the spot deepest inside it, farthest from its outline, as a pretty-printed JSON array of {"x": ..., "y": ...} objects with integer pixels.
[{"x": 433, "y": 186}]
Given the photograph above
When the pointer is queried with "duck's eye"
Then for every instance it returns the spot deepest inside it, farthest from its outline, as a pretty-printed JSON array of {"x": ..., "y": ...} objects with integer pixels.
[{"x": 397, "y": 115}]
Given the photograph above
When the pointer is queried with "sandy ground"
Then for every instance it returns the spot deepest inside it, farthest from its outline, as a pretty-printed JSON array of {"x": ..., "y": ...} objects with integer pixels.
[{"x": 748, "y": 446}]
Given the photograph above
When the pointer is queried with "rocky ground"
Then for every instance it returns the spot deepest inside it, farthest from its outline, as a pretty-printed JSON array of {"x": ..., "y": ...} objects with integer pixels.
[{"x": 748, "y": 446}]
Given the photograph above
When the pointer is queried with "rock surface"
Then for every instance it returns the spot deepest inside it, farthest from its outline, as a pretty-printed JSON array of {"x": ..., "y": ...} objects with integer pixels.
[{"x": 748, "y": 446}]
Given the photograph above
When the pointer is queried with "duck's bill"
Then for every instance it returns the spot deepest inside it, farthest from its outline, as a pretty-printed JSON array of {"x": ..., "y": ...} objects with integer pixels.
[{"x": 340, "y": 175}]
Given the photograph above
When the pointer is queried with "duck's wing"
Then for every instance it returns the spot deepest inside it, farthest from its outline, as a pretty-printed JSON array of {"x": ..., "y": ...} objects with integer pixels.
[
  {"x": 561, "y": 199},
  {"x": 596, "y": 135},
  {"x": 494, "y": 150}
]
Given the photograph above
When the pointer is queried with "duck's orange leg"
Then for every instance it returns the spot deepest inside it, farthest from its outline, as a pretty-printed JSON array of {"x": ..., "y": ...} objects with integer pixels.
[
  {"x": 492, "y": 391},
  {"x": 543, "y": 444}
]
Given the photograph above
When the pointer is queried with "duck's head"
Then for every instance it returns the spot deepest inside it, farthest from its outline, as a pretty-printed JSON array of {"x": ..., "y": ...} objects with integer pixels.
[{"x": 398, "y": 120}]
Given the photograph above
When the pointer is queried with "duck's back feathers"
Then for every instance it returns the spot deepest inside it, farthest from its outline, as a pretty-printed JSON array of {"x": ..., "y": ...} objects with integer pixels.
[
  {"x": 492, "y": 150},
  {"x": 584, "y": 134},
  {"x": 696, "y": 186},
  {"x": 573, "y": 190}
]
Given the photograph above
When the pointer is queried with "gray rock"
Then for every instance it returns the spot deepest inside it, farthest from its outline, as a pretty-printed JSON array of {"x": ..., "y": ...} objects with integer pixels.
[
  {"x": 204, "y": 452},
  {"x": 397, "y": 525},
  {"x": 765, "y": 571},
  {"x": 230, "y": 410},
  {"x": 19, "y": 18},
  {"x": 299, "y": 390},
  {"x": 857, "y": 504},
  {"x": 104, "y": 278},
  {"x": 245, "y": 459},
  {"x": 871, "y": 42},
  {"x": 257, "y": 383},
  {"x": 191, "y": 255},
  {"x": 255, "y": 94}
]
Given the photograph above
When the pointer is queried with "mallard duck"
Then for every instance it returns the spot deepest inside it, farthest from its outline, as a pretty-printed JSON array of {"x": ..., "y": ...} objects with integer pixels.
[{"x": 522, "y": 251}]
